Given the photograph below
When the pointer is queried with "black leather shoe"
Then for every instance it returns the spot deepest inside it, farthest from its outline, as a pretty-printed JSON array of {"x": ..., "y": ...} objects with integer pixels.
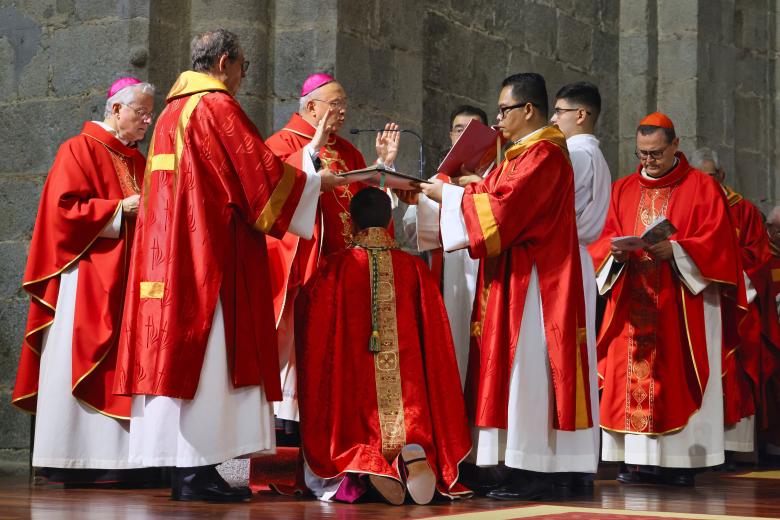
[
  {"x": 573, "y": 484},
  {"x": 524, "y": 485},
  {"x": 639, "y": 476},
  {"x": 136, "y": 478},
  {"x": 205, "y": 483},
  {"x": 681, "y": 477}
]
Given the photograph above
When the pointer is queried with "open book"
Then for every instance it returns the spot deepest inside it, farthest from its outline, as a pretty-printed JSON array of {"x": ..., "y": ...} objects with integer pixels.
[
  {"x": 475, "y": 149},
  {"x": 383, "y": 177},
  {"x": 659, "y": 230}
]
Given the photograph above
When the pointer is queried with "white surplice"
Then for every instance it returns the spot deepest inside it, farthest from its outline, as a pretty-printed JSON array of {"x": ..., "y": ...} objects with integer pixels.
[
  {"x": 530, "y": 442},
  {"x": 220, "y": 422},
  {"x": 701, "y": 442},
  {"x": 69, "y": 433}
]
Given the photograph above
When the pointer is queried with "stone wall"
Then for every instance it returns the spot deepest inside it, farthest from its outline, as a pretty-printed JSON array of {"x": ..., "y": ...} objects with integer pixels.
[{"x": 709, "y": 63}]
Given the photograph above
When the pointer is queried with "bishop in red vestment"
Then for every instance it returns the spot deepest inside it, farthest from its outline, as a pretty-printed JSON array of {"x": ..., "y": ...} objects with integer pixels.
[
  {"x": 379, "y": 389},
  {"x": 528, "y": 361},
  {"x": 293, "y": 260},
  {"x": 660, "y": 342},
  {"x": 772, "y": 397},
  {"x": 198, "y": 349},
  {"x": 75, "y": 276},
  {"x": 748, "y": 367}
]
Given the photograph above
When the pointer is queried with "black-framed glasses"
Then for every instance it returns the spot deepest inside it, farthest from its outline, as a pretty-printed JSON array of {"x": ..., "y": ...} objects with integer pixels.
[
  {"x": 560, "y": 110},
  {"x": 244, "y": 67},
  {"x": 140, "y": 112},
  {"x": 502, "y": 111},
  {"x": 655, "y": 154}
]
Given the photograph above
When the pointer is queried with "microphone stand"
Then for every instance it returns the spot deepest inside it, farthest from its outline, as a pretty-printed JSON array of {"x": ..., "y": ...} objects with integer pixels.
[{"x": 355, "y": 131}]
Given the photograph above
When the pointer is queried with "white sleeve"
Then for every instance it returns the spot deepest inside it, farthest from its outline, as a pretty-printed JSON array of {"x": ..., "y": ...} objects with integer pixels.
[
  {"x": 302, "y": 223},
  {"x": 427, "y": 224},
  {"x": 114, "y": 227},
  {"x": 689, "y": 273},
  {"x": 454, "y": 235},
  {"x": 409, "y": 221}
]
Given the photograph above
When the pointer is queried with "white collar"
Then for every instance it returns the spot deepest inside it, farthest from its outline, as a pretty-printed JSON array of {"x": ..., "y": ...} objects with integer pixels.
[{"x": 113, "y": 132}]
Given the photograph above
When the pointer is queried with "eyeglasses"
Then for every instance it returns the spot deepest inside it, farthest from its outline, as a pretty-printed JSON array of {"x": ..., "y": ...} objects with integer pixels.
[
  {"x": 244, "y": 67},
  {"x": 336, "y": 104},
  {"x": 502, "y": 111},
  {"x": 558, "y": 111},
  {"x": 141, "y": 113},
  {"x": 655, "y": 154}
]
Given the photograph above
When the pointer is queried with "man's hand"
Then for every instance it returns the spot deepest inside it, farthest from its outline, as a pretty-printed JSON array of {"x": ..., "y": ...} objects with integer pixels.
[
  {"x": 433, "y": 189},
  {"x": 619, "y": 255},
  {"x": 465, "y": 180},
  {"x": 324, "y": 129},
  {"x": 387, "y": 144},
  {"x": 130, "y": 205},
  {"x": 661, "y": 251},
  {"x": 329, "y": 180},
  {"x": 410, "y": 197}
]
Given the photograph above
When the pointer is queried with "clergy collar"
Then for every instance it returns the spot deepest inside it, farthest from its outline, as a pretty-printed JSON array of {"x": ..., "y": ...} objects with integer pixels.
[
  {"x": 190, "y": 82},
  {"x": 374, "y": 238},
  {"x": 675, "y": 173},
  {"x": 113, "y": 132},
  {"x": 96, "y": 131}
]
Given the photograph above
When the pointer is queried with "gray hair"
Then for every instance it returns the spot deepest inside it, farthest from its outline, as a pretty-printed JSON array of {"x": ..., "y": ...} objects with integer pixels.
[
  {"x": 206, "y": 48},
  {"x": 702, "y": 155},
  {"x": 127, "y": 95},
  {"x": 305, "y": 100}
]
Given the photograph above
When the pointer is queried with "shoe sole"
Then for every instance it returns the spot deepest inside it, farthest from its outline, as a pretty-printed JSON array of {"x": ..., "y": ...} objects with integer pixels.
[
  {"x": 420, "y": 479},
  {"x": 390, "y": 489}
]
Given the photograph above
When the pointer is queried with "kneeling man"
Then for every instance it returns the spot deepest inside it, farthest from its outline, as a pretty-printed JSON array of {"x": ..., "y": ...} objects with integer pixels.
[{"x": 379, "y": 393}]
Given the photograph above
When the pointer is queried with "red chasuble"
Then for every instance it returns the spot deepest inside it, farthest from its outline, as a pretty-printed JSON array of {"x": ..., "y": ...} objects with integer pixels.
[
  {"x": 293, "y": 260},
  {"x": 748, "y": 367},
  {"x": 359, "y": 408},
  {"x": 652, "y": 346},
  {"x": 772, "y": 381},
  {"x": 212, "y": 193},
  {"x": 92, "y": 173},
  {"x": 523, "y": 214}
]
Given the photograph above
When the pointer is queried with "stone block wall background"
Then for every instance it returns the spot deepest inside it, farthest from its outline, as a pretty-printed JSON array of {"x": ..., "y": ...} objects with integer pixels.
[{"x": 710, "y": 64}]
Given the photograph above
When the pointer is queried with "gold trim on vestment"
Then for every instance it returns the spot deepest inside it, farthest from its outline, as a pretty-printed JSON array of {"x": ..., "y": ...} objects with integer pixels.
[
  {"x": 22, "y": 398},
  {"x": 152, "y": 290},
  {"x": 387, "y": 364},
  {"x": 488, "y": 224},
  {"x": 273, "y": 208},
  {"x": 101, "y": 412},
  {"x": 581, "y": 406},
  {"x": 690, "y": 343},
  {"x": 163, "y": 161},
  {"x": 374, "y": 238},
  {"x": 776, "y": 275}
]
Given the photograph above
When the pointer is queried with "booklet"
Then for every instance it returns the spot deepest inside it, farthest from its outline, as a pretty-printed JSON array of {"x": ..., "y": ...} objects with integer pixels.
[
  {"x": 659, "y": 230},
  {"x": 474, "y": 150},
  {"x": 383, "y": 177}
]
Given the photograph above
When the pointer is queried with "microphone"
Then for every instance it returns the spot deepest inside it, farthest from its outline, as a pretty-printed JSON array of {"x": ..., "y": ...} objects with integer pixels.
[{"x": 355, "y": 131}]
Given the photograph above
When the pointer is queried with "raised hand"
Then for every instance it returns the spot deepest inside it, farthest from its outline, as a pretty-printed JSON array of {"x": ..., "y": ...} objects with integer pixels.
[
  {"x": 387, "y": 144},
  {"x": 324, "y": 129}
]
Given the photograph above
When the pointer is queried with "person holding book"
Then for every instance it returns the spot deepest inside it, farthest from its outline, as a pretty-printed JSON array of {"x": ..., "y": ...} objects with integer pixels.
[
  {"x": 660, "y": 344},
  {"x": 772, "y": 435},
  {"x": 576, "y": 111},
  {"x": 757, "y": 360},
  {"x": 293, "y": 260},
  {"x": 379, "y": 393},
  {"x": 455, "y": 271},
  {"x": 528, "y": 363}
]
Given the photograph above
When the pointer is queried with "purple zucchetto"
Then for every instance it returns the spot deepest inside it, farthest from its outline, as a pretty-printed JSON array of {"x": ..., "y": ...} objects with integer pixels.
[
  {"x": 315, "y": 81},
  {"x": 122, "y": 83}
]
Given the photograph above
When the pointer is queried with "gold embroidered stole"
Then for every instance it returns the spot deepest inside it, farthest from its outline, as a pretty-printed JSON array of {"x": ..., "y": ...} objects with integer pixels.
[
  {"x": 644, "y": 285},
  {"x": 387, "y": 368}
]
